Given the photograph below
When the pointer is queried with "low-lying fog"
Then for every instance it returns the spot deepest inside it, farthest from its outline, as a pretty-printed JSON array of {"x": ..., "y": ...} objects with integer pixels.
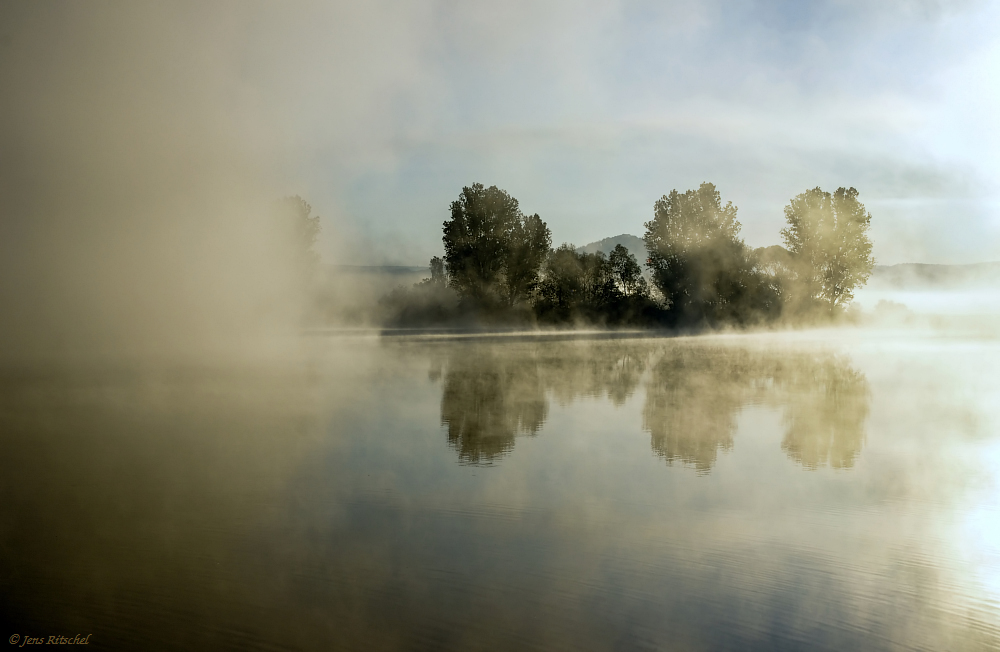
[{"x": 933, "y": 290}]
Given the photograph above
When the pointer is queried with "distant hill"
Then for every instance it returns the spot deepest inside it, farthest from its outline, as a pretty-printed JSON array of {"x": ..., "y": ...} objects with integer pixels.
[{"x": 634, "y": 244}]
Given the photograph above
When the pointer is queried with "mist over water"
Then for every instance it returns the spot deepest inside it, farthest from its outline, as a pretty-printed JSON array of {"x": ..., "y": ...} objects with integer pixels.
[
  {"x": 205, "y": 443},
  {"x": 746, "y": 491}
]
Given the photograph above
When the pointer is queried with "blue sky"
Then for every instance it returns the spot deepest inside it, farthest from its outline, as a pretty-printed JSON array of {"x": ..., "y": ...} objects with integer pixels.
[{"x": 588, "y": 112}]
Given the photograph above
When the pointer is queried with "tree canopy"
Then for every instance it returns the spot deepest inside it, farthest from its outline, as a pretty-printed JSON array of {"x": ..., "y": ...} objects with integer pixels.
[
  {"x": 593, "y": 288},
  {"x": 492, "y": 251},
  {"x": 627, "y": 274},
  {"x": 699, "y": 262},
  {"x": 529, "y": 245},
  {"x": 827, "y": 237}
]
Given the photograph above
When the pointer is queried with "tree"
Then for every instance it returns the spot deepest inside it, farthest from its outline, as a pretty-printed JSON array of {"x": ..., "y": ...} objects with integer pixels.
[
  {"x": 599, "y": 291},
  {"x": 492, "y": 251},
  {"x": 529, "y": 245},
  {"x": 562, "y": 288},
  {"x": 579, "y": 286},
  {"x": 627, "y": 274},
  {"x": 303, "y": 228},
  {"x": 766, "y": 285},
  {"x": 827, "y": 236},
  {"x": 427, "y": 303},
  {"x": 438, "y": 277},
  {"x": 697, "y": 258}
]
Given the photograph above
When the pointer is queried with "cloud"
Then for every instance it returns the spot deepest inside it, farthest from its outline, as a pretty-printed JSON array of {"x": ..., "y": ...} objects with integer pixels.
[{"x": 589, "y": 112}]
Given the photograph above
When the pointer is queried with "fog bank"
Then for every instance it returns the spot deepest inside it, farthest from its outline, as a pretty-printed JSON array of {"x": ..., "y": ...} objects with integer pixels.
[{"x": 134, "y": 201}]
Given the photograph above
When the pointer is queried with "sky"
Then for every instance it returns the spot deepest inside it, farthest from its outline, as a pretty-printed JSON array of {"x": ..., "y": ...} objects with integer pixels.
[
  {"x": 378, "y": 113},
  {"x": 588, "y": 112}
]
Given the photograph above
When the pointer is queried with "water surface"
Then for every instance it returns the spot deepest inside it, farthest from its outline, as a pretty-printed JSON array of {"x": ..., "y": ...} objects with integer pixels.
[{"x": 810, "y": 491}]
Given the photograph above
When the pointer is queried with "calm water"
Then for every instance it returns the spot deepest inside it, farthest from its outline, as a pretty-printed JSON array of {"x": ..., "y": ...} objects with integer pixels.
[{"x": 748, "y": 492}]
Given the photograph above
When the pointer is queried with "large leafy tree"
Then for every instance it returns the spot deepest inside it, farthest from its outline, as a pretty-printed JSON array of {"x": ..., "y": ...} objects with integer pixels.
[
  {"x": 592, "y": 287},
  {"x": 530, "y": 242},
  {"x": 827, "y": 236},
  {"x": 626, "y": 273},
  {"x": 493, "y": 252},
  {"x": 564, "y": 286},
  {"x": 696, "y": 256}
]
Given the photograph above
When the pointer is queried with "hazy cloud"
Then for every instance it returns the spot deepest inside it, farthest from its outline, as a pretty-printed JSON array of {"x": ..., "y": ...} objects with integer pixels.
[{"x": 589, "y": 112}]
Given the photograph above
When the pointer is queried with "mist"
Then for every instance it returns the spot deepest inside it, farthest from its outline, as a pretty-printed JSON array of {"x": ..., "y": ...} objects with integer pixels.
[
  {"x": 138, "y": 183},
  {"x": 143, "y": 146},
  {"x": 488, "y": 326}
]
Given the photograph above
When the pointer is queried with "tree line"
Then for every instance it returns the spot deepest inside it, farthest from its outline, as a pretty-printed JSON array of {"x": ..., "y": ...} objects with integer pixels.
[{"x": 499, "y": 266}]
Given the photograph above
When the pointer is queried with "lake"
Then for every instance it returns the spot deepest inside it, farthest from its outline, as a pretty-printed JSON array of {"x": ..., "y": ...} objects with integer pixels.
[{"x": 815, "y": 490}]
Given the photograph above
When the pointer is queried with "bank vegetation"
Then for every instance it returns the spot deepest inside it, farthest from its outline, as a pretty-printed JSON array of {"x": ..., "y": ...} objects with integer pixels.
[{"x": 499, "y": 268}]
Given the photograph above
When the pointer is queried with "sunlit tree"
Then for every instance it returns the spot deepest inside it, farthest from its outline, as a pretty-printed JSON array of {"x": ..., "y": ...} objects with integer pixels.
[
  {"x": 627, "y": 273},
  {"x": 827, "y": 236},
  {"x": 699, "y": 262}
]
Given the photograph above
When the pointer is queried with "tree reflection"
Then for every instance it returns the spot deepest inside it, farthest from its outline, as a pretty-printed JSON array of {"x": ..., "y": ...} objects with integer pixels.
[
  {"x": 488, "y": 400},
  {"x": 598, "y": 370},
  {"x": 692, "y": 400},
  {"x": 694, "y": 394},
  {"x": 825, "y": 413},
  {"x": 493, "y": 393}
]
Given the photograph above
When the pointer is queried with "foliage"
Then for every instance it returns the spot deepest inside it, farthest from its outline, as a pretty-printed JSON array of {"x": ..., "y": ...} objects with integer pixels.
[
  {"x": 437, "y": 272},
  {"x": 498, "y": 265},
  {"x": 704, "y": 270},
  {"x": 492, "y": 251},
  {"x": 561, "y": 289},
  {"x": 574, "y": 284},
  {"x": 626, "y": 273},
  {"x": 427, "y": 303},
  {"x": 529, "y": 246},
  {"x": 827, "y": 236},
  {"x": 590, "y": 287}
]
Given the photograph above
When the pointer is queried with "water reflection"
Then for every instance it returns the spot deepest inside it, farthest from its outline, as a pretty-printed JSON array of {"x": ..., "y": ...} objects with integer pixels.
[
  {"x": 492, "y": 395},
  {"x": 314, "y": 506},
  {"x": 693, "y": 396},
  {"x": 488, "y": 400},
  {"x": 692, "y": 399},
  {"x": 825, "y": 413}
]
